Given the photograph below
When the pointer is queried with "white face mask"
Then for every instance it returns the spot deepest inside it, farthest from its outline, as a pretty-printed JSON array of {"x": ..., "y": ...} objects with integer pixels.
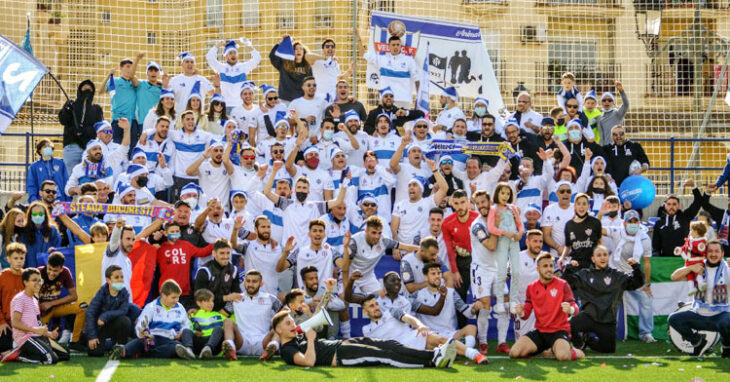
[{"x": 192, "y": 202}]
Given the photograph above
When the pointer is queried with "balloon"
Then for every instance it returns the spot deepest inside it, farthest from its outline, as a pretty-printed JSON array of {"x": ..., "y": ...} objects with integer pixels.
[{"x": 638, "y": 190}]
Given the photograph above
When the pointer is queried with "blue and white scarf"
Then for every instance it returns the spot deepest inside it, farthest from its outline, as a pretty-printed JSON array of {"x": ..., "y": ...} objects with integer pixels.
[{"x": 719, "y": 290}]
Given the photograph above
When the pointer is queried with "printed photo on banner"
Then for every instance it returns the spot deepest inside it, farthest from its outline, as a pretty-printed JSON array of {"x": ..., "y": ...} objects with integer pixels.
[{"x": 456, "y": 54}]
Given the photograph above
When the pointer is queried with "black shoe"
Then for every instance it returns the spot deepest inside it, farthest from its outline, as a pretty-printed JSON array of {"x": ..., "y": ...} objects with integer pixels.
[
  {"x": 78, "y": 346},
  {"x": 726, "y": 352},
  {"x": 117, "y": 353},
  {"x": 700, "y": 346},
  {"x": 579, "y": 341}
]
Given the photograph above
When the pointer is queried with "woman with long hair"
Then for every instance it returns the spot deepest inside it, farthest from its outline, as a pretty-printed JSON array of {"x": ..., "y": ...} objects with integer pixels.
[
  {"x": 216, "y": 115},
  {"x": 165, "y": 107},
  {"x": 195, "y": 103},
  {"x": 598, "y": 190},
  {"x": 39, "y": 236},
  {"x": 293, "y": 73},
  {"x": 11, "y": 227}
]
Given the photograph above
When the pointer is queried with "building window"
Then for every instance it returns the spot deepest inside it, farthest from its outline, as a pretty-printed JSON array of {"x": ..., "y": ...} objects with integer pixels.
[
  {"x": 579, "y": 57},
  {"x": 322, "y": 14},
  {"x": 285, "y": 16},
  {"x": 173, "y": 43},
  {"x": 106, "y": 17},
  {"x": 250, "y": 13},
  {"x": 82, "y": 54},
  {"x": 214, "y": 13},
  {"x": 151, "y": 38}
]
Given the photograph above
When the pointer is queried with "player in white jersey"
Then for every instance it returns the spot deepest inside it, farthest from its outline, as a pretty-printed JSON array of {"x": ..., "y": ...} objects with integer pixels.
[
  {"x": 528, "y": 274},
  {"x": 344, "y": 140},
  {"x": 376, "y": 181},
  {"x": 246, "y": 112},
  {"x": 232, "y": 72},
  {"x": 261, "y": 254},
  {"x": 316, "y": 254},
  {"x": 397, "y": 70},
  {"x": 411, "y": 266},
  {"x": 367, "y": 248},
  {"x": 395, "y": 324},
  {"x": 385, "y": 140},
  {"x": 410, "y": 216},
  {"x": 213, "y": 172},
  {"x": 484, "y": 275},
  {"x": 412, "y": 168},
  {"x": 444, "y": 323},
  {"x": 253, "y": 314},
  {"x": 555, "y": 216}
]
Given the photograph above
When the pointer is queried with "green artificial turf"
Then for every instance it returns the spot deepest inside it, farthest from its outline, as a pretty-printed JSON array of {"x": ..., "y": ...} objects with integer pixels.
[{"x": 638, "y": 362}]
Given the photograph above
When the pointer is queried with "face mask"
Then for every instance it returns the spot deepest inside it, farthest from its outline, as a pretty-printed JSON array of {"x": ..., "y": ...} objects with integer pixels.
[
  {"x": 459, "y": 137},
  {"x": 312, "y": 162},
  {"x": 480, "y": 111},
  {"x": 37, "y": 220},
  {"x": 117, "y": 286},
  {"x": 18, "y": 230},
  {"x": 574, "y": 135},
  {"x": 328, "y": 134},
  {"x": 632, "y": 228},
  {"x": 87, "y": 93},
  {"x": 581, "y": 216},
  {"x": 612, "y": 214},
  {"x": 142, "y": 182},
  {"x": 173, "y": 236},
  {"x": 192, "y": 202},
  {"x": 301, "y": 196},
  {"x": 47, "y": 151},
  {"x": 561, "y": 121},
  {"x": 599, "y": 191}
]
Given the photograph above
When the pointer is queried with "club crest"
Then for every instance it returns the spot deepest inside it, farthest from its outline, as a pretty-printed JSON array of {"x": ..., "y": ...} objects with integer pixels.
[
  {"x": 553, "y": 292},
  {"x": 607, "y": 280}
]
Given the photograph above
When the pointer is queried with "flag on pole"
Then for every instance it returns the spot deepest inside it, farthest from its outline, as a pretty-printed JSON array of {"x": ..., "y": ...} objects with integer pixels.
[
  {"x": 285, "y": 50},
  {"x": 422, "y": 100},
  {"x": 20, "y": 73},
  {"x": 112, "y": 88},
  {"x": 26, "y": 40}
]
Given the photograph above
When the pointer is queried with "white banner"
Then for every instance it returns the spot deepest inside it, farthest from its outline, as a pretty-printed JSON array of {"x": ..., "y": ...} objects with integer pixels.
[{"x": 457, "y": 55}]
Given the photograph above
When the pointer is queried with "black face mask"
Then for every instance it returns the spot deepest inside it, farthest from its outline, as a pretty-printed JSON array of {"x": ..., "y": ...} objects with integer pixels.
[
  {"x": 142, "y": 182},
  {"x": 581, "y": 216},
  {"x": 612, "y": 214},
  {"x": 561, "y": 121},
  {"x": 301, "y": 196},
  {"x": 599, "y": 191},
  {"x": 18, "y": 230},
  {"x": 87, "y": 94},
  {"x": 713, "y": 265}
]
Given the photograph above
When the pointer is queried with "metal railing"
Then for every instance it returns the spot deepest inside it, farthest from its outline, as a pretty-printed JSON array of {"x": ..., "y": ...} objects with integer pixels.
[{"x": 667, "y": 179}]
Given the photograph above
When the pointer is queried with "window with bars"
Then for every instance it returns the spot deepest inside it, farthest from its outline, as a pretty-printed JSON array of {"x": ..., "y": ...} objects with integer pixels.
[
  {"x": 106, "y": 16},
  {"x": 172, "y": 44},
  {"x": 151, "y": 38},
  {"x": 250, "y": 13},
  {"x": 81, "y": 53},
  {"x": 285, "y": 15},
  {"x": 322, "y": 14},
  {"x": 214, "y": 13}
]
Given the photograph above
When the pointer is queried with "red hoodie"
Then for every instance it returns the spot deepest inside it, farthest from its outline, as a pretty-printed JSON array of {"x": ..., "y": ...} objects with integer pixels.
[
  {"x": 174, "y": 262},
  {"x": 545, "y": 300}
]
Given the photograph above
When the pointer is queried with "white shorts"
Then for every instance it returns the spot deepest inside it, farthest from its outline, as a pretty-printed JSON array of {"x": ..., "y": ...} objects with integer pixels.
[
  {"x": 522, "y": 327},
  {"x": 368, "y": 284},
  {"x": 410, "y": 339},
  {"x": 251, "y": 346},
  {"x": 484, "y": 282}
]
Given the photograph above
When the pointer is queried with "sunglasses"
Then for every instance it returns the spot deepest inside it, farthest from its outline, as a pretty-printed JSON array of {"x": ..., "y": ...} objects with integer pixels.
[
  {"x": 368, "y": 204},
  {"x": 421, "y": 127},
  {"x": 564, "y": 192},
  {"x": 311, "y": 85},
  {"x": 106, "y": 131},
  {"x": 53, "y": 192},
  {"x": 447, "y": 161},
  {"x": 487, "y": 124},
  {"x": 329, "y": 46},
  {"x": 619, "y": 134},
  {"x": 38, "y": 213},
  {"x": 277, "y": 152},
  {"x": 272, "y": 98},
  {"x": 248, "y": 157},
  {"x": 607, "y": 100},
  {"x": 571, "y": 106}
]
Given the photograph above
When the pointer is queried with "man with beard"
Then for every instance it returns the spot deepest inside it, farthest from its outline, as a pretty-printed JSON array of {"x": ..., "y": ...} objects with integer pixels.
[
  {"x": 266, "y": 117},
  {"x": 78, "y": 118},
  {"x": 220, "y": 276},
  {"x": 487, "y": 134},
  {"x": 98, "y": 166},
  {"x": 309, "y": 108},
  {"x": 483, "y": 275},
  {"x": 385, "y": 140},
  {"x": 395, "y": 114},
  {"x": 313, "y": 297},
  {"x": 392, "y": 299},
  {"x": 158, "y": 145},
  {"x": 711, "y": 308},
  {"x": 411, "y": 266},
  {"x": 624, "y": 155},
  {"x": 121, "y": 242},
  {"x": 395, "y": 324},
  {"x": 376, "y": 181},
  {"x": 232, "y": 72},
  {"x": 528, "y": 274},
  {"x": 673, "y": 225},
  {"x": 546, "y": 140},
  {"x": 253, "y": 314},
  {"x": 600, "y": 290},
  {"x": 405, "y": 171},
  {"x": 526, "y": 118},
  {"x": 259, "y": 204},
  {"x": 552, "y": 311},
  {"x": 213, "y": 225},
  {"x": 320, "y": 186},
  {"x": 343, "y": 138},
  {"x": 345, "y": 102},
  {"x": 261, "y": 254},
  {"x": 456, "y": 229},
  {"x": 213, "y": 172},
  {"x": 523, "y": 145},
  {"x": 451, "y": 110}
]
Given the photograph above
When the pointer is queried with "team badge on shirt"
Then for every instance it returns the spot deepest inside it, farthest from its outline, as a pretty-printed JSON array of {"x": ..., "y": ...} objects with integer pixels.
[
  {"x": 607, "y": 280},
  {"x": 589, "y": 231},
  {"x": 553, "y": 292}
]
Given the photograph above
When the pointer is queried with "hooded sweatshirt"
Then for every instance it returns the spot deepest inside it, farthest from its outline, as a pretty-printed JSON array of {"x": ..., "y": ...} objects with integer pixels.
[{"x": 79, "y": 116}]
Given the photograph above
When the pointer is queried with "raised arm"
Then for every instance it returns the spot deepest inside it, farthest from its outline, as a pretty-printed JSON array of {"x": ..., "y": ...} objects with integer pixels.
[
  {"x": 398, "y": 154},
  {"x": 75, "y": 229},
  {"x": 340, "y": 198},
  {"x": 284, "y": 264},
  {"x": 443, "y": 187},
  {"x": 275, "y": 167},
  {"x": 194, "y": 168}
]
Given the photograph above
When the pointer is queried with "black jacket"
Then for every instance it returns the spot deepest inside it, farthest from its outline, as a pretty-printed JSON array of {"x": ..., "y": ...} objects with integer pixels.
[
  {"x": 578, "y": 154},
  {"x": 79, "y": 116},
  {"x": 490, "y": 160},
  {"x": 397, "y": 121},
  {"x": 621, "y": 157},
  {"x": 670, "y": 231},
  {"x": 219, "y": 280},
  {"x": 600, "y": 291}
]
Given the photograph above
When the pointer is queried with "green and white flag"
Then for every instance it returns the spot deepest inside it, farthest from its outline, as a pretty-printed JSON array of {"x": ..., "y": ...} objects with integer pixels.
[{"x": 667, "y": 296}]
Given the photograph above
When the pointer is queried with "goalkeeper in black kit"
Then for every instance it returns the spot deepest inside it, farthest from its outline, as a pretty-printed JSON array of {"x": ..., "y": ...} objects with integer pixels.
[{"x": 307, "y": 350}]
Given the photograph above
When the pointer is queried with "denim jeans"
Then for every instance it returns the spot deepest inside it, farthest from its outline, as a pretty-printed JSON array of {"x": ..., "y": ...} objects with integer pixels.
[
  {"x": 646, "y": 311},
  {"x": 72, "y": 156},
  {"x": 687, "y": 322},
  {"x": 163, "y": 348}
]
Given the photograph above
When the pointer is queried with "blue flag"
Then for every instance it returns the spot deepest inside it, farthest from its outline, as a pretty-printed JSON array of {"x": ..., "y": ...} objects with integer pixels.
[
  {"x": 285, "y": 50},
  {"x": 20, "y": 73},
  {"x": 26, "y": 40}
]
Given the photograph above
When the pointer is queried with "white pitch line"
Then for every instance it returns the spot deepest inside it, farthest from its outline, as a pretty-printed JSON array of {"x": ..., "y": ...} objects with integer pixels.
[
  {"x": 108, "y": 371},
  {"x": 611, "y": 357}
]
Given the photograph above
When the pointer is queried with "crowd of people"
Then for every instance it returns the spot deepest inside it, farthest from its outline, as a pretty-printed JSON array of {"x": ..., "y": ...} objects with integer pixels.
[{"x": 286, "y": 200}]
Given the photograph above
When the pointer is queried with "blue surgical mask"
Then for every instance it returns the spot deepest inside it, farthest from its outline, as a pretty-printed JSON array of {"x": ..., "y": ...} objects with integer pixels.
[
  {"x": 117, "y": 286},
  {"x": 47, "y": 151},
  {"x": 328, "y": 134},
  {"x": 173, "y": 236},
  {"x": 574, "y": 135},
  {"x": 632, "y": 228},
  {"x": 459, "y": 137},
  {"x": 480, "y": 111},
  {"x": 37, "y": 220}
]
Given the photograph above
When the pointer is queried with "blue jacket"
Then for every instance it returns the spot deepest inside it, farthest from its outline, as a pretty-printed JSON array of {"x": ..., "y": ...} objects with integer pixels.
[
  {"x": 38, "y": 252},
  {"x": 40, "y": 171},
  {"x": 105, "y": 307},
  {"x": 85, "y": 222}
]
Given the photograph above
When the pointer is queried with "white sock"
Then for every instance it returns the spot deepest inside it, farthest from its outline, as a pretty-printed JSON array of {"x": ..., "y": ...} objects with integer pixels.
[
  {"x": 470, "y": 342},
  {"x": 483, "y": 325},
  {"x": 345, "y": 329},
  {"x": 471, "y": 353},
  {"x": 502, "y": 327},
  {"x": 274, "y": 344},
  {"x": 233, "y": 344}
]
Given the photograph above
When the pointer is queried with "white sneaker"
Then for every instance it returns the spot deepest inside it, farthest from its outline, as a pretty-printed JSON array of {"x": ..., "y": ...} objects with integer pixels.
[
  {"x": 499, "y": 308},
  {"x": 648, "y": 338},
  {"x": 439, "y": 356},
  {"x": 451, "y": 351},
  {"x": 65, "y": 337}
]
